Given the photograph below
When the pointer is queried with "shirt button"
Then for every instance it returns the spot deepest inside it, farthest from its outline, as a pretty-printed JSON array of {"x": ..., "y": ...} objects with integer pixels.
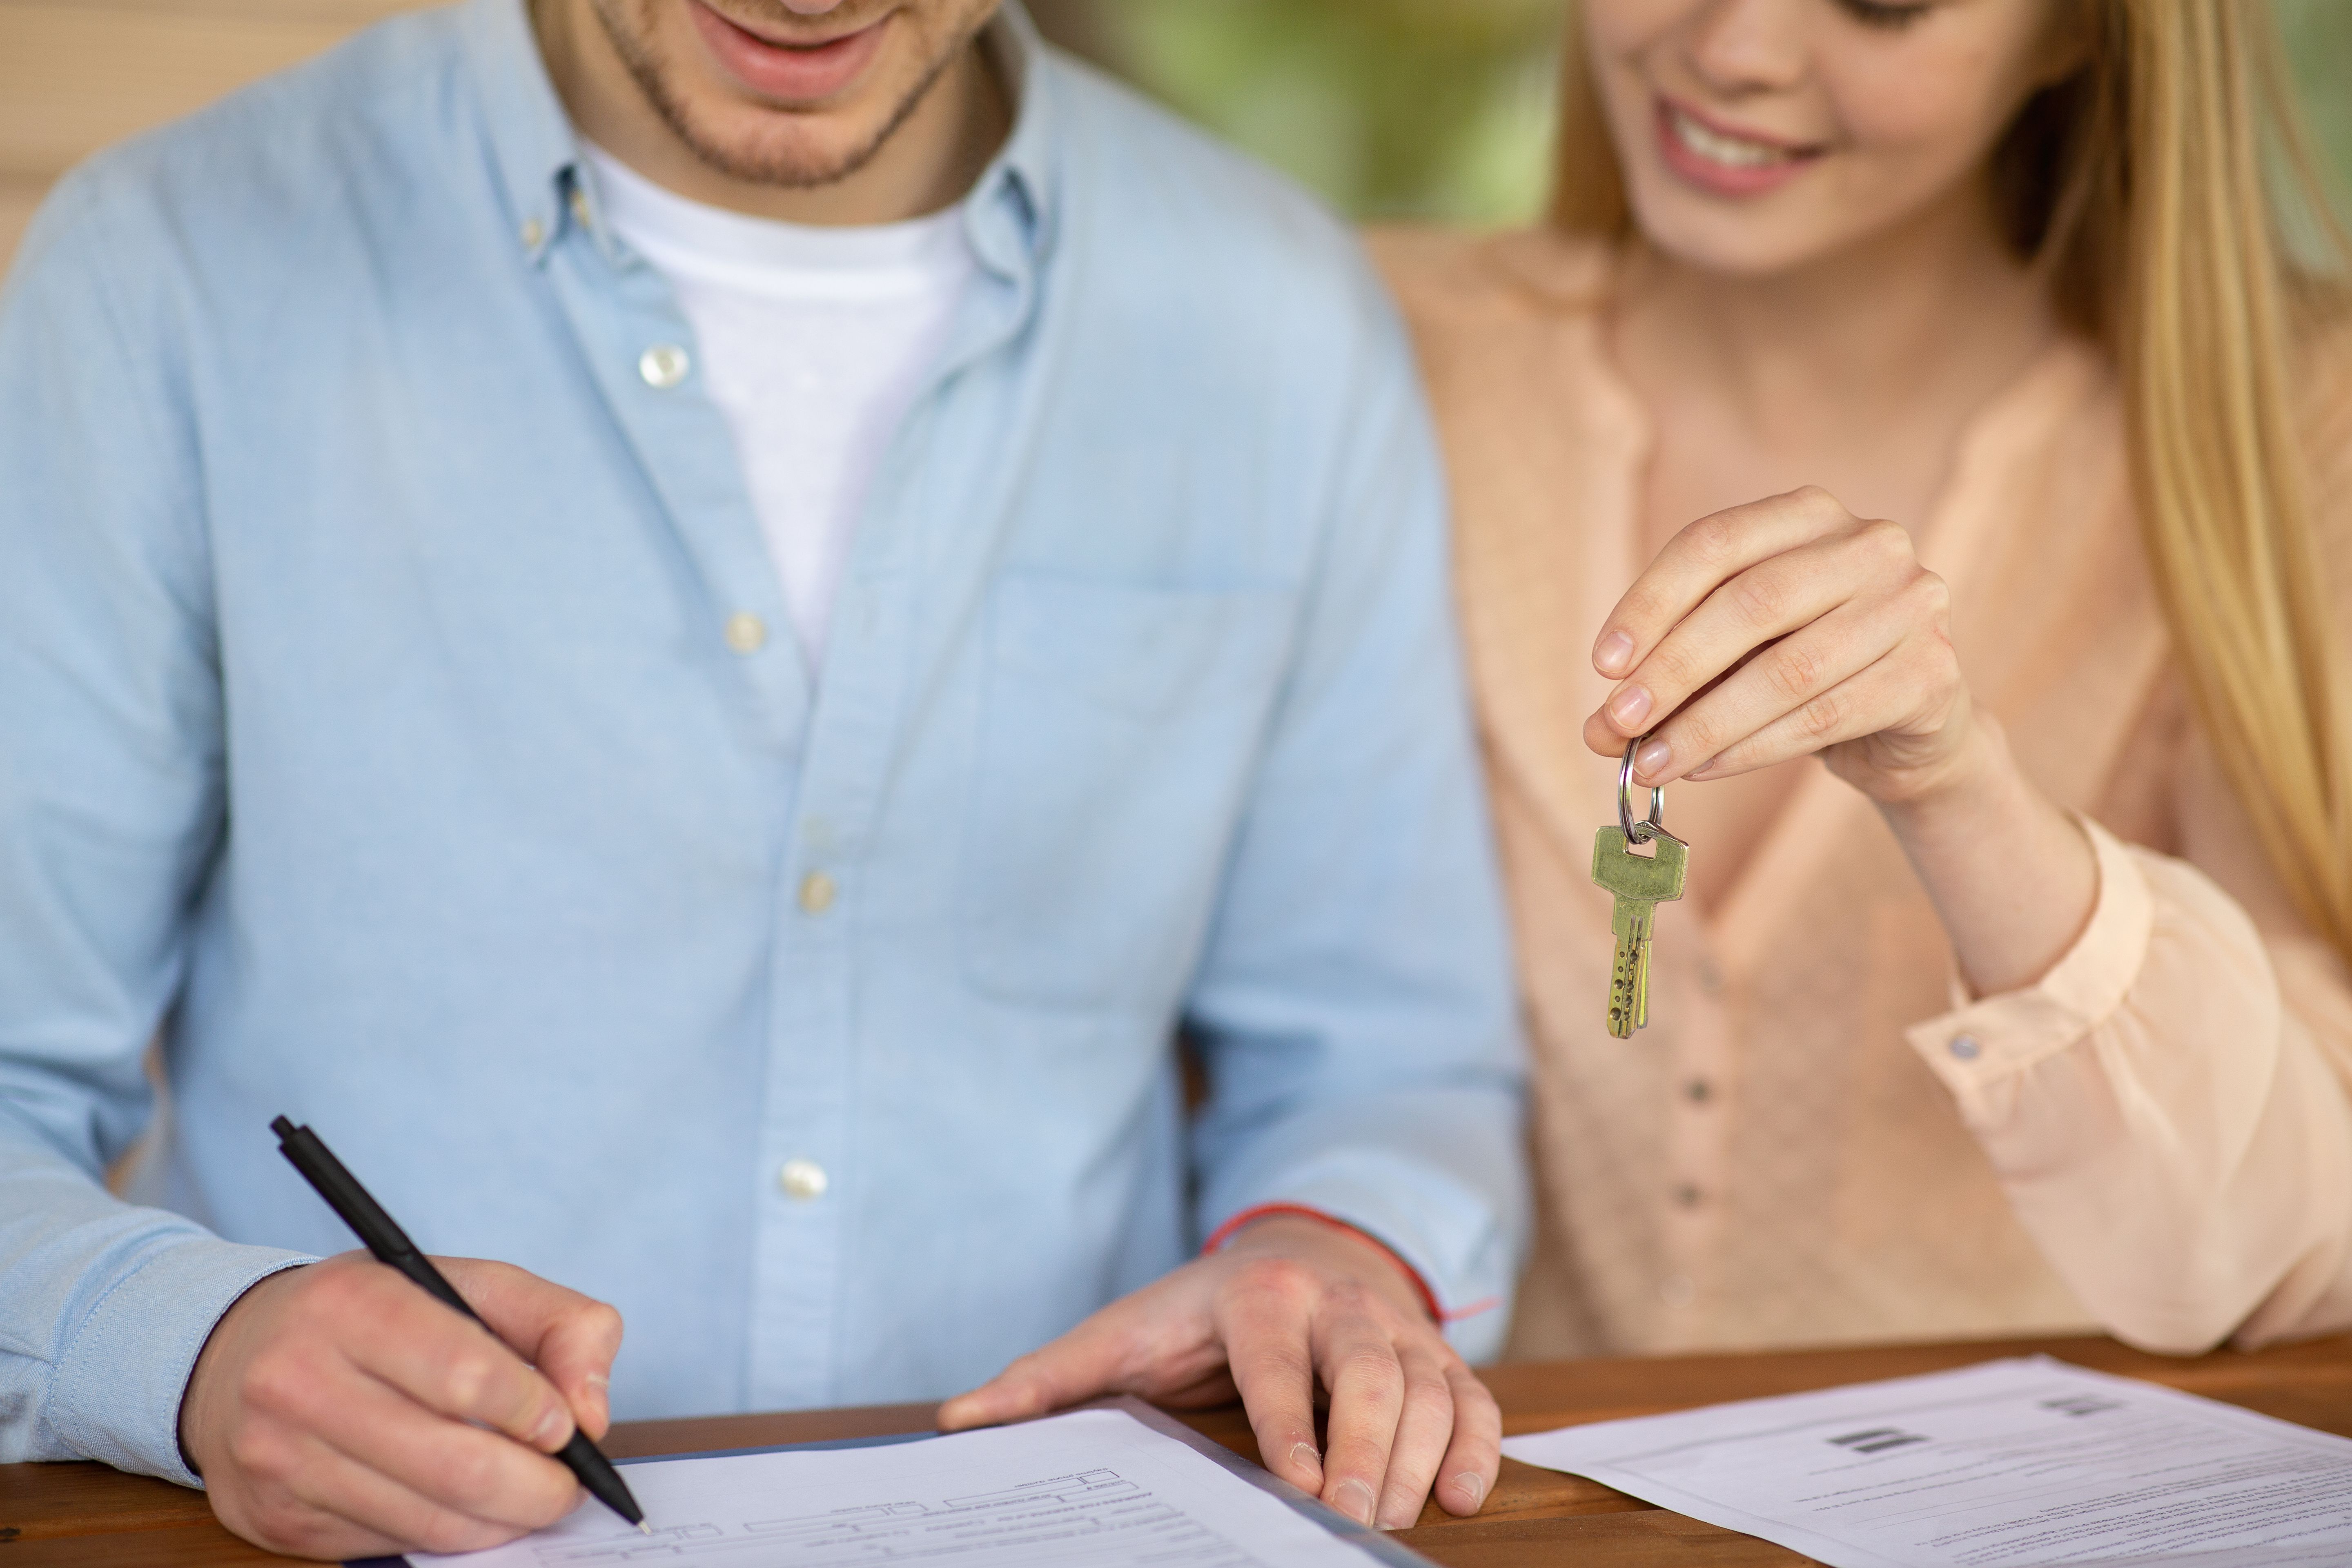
[
  {"x": 802, "y": 1179},
  {"x": 1686, "y": 1196},
  {"x": 1966, "y": 1048},
  {"x": 746, "y": 633},
  {"x": 534, "y": 231},
  {"x": 817, "y": 891},
  {"x": 580, "y": 206},
  {"x": 1710, "y": 977},
  {"x": 664, "y": 365}
]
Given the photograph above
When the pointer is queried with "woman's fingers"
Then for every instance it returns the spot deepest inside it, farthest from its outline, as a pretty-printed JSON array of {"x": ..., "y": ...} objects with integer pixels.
[
  {"x": 1778, "y": 640},
  {"x": 1702, "y": 557},
  {"x": 1878, "y": 704},
  {"x": 1770, "y": 600},
  {"x": 1802, "y": 668}
]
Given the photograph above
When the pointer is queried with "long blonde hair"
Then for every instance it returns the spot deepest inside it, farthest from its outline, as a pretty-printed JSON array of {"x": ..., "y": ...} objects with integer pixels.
[{"x": 2160, "y": 185}]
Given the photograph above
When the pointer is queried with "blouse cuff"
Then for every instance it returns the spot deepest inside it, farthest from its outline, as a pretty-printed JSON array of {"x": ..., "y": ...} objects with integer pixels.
[{"x": 1983, "y": 1042}]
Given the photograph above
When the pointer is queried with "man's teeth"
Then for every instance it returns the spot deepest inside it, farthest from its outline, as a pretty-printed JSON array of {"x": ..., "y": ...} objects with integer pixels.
[{"x": 1737, "y": 152}]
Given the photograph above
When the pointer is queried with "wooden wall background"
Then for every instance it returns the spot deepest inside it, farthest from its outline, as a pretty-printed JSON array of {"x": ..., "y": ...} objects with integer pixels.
[{"x": 78, "y": 74}]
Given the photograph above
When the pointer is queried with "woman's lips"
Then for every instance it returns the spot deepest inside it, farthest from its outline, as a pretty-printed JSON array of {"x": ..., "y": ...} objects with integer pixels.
[
  {"x": 786, "y": 74},
  {"x": 1723, "y": 162}
]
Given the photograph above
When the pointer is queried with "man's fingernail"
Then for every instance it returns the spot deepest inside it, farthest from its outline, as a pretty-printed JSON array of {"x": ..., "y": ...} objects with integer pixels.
[
  {"x": 1630, "y": 707},
  {"x": 599, "y": 1381},
  {"x": 1703, "y": 769},
  {"x": 1472, "y": 1486},
  {"x": 1360, "y": 1512},
  {"x": 1613, "y": 654},
  {"x": 1652, "y": 757},
  {"x": 1304, "y": 1454},
  {"x": 554, "y": 1422}
]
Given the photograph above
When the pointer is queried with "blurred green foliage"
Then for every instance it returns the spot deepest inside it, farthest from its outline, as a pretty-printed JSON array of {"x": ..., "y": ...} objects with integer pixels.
[{"x": 1442, "y": 109}]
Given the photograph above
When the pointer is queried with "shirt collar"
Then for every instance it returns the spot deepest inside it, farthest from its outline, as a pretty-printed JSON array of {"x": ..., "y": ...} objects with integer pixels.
[{"x": 1009, "y": 213}]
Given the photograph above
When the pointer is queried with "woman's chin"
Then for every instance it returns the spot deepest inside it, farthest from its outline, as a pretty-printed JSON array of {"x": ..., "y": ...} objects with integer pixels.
[{"x": 1749, "y": 239}]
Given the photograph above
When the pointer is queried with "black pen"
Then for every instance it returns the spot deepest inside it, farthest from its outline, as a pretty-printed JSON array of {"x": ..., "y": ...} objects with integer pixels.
[{"x": 391, "y": 1246}]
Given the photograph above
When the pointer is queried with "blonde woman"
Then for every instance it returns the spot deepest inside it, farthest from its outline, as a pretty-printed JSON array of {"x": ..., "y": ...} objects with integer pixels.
[{"x": 2030, "y": 1011}]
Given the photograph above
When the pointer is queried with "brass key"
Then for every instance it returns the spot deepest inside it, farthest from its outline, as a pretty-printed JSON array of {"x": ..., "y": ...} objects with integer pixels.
[{"x": 1641, "y": 883}]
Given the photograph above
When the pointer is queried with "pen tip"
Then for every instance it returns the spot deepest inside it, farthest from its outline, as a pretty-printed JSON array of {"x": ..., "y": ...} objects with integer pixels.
[{"x": 643, "y": 1529}]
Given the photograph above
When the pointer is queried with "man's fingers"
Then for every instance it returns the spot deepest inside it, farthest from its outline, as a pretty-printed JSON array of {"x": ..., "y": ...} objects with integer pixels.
[
  {"x": 1701, "y": 557},
  {"x": 444, "y": 1360},
  {"x": 1089, "y": 1361},
  {"x": 305, "y": 1496},
  {"x": 480, "y": 1473},
  {"x": 571, "y": 1338},
  {"x": 1422, "y": 1432},
  {"x": 1266, "y": 1322},
  {"x": 1366, "y": 1381},
  {"x": 1466, "y": 1476}
]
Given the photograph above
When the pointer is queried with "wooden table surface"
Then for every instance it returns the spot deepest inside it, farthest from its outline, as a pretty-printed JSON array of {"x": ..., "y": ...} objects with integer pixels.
[{"x": 92, "y": 1516}]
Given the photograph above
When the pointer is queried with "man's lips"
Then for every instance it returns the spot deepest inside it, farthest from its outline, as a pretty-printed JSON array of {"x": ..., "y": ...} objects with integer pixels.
[{"x": 782, "y": 72}]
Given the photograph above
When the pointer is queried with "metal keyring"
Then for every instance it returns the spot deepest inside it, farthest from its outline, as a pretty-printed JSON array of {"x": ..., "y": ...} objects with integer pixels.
[{"x": 1655, "y": 823}]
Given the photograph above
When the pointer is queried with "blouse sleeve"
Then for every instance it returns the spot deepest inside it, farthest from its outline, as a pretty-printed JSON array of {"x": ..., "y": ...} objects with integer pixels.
[{"x": 2170, "y": 1112}]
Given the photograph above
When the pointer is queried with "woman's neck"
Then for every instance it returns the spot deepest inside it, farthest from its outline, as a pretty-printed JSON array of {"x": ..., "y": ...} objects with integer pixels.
[{"x": 1856, "y": 373}]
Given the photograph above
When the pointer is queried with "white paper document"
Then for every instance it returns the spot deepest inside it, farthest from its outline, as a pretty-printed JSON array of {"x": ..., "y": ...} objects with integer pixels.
[
  {"x": 1094, "y": 1487},
  {"x": 1999, "y": 1465}
]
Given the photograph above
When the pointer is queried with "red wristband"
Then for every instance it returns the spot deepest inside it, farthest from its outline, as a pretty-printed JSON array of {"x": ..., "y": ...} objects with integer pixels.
[{"x": 1225, "y": 1233}]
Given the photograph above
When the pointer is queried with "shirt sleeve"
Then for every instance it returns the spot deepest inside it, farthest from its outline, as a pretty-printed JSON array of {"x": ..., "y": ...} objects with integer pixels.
[
  {"x": 1354, "y": 1008},
  {"x": 111, "y": 805},
  {"x": 2168, "y": 1110}
]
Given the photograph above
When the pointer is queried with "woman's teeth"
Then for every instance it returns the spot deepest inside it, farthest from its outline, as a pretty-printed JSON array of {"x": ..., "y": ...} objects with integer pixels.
[{"x": 1734, "y": 152}]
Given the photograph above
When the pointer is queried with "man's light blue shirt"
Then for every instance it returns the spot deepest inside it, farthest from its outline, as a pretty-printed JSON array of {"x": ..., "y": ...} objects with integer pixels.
[{"x": 398, "y": 708}]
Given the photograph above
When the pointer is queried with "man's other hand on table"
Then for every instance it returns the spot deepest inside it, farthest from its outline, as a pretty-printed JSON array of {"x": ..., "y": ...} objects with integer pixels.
[{"x": 1289, "y": 1306}]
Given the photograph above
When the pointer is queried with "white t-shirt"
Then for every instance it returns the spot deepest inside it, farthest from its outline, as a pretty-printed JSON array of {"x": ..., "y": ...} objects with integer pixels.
[{"x": 813, "y": 342}]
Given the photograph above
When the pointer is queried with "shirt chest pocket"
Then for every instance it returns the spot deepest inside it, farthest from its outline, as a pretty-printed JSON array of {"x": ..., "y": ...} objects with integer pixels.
[{"x": 1119, "y": 729}]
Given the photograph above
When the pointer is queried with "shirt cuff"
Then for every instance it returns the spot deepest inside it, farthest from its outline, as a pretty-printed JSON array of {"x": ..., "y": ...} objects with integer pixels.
[
  {"x": 119, "y": 1385},
  {"x": 1982, "y": 1043}
]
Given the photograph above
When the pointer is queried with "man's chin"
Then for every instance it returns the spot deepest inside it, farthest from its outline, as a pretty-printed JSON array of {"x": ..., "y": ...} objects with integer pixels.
[{"x": 793, "y": 151}]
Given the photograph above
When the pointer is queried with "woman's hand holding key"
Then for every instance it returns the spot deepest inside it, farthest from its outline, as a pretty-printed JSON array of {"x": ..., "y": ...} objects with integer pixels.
[
  {"x": 1789, "y": 626},
  {"x": 1779, "y": 629}
]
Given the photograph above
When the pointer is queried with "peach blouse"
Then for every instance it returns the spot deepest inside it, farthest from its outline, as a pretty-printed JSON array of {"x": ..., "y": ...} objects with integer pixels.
[{"x": 1820, "y": 1138}]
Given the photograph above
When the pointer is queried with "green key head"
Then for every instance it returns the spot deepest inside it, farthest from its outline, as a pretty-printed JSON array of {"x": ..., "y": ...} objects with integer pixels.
[{"x": 1654, "y": 879}]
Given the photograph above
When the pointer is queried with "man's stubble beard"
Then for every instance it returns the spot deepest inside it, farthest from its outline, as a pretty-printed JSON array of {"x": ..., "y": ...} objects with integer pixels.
[{"x": 647, "y": 66}]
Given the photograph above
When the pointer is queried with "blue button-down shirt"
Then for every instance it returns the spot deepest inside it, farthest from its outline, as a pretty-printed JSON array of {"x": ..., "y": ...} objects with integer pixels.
[{"x": 384, "y": 714}]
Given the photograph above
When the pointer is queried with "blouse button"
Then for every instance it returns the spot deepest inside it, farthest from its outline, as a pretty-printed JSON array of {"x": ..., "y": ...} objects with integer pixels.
[{"x": 1966, "y": 1048}]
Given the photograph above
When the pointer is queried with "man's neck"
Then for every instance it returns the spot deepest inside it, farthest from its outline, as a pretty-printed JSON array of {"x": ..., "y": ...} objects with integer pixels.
[{"x": 927, "y": 164}]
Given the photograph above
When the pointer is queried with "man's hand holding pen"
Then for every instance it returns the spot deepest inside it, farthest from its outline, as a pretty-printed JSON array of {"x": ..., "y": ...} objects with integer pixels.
[{"x": 338, "y": 1410}]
